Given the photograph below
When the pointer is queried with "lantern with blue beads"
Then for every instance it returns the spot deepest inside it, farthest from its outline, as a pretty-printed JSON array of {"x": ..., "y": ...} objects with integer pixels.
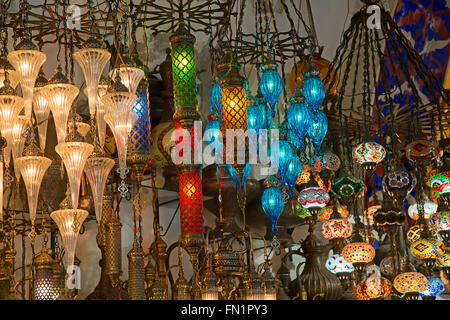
[
  {"x": 299, "y": 118},
  {"x": 272, "y": 202},
  {"x": 318, "y": 130},
  {"x": 314, "y": 91},
  {"x": 271, "y": 85},
  {"x": 294, "y": 168}
]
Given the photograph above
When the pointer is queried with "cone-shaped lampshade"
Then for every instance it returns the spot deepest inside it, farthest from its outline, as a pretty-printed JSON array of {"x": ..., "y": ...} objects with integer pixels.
[
  {"x": 41, "y": 108},
  {"x": 5, "y": 66},
  {"x": 69, "y": 222},
  {"x": 92, "y": 60},
  {"x": 60, "y": 95},
  {"x": 119, "y": 102},
  {"x": 27, "y": 61},
  {"x": 18, "y": 140},
  {"x": 32, "y": 166},
  {"x": 10, "y": 107},
  {"x": 101, "y": 110},
  {"x": 74, "y": 154},
  {"x": 129, "y": 75},
  {"x": 97, "y": 170}
]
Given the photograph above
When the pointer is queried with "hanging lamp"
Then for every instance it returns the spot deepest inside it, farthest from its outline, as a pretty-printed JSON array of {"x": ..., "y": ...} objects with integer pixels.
[{"x": 41, "y": 108}]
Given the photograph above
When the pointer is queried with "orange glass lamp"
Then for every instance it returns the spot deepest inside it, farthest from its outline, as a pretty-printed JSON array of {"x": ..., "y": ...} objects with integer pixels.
[
  {"x": 359, "y": 254},
  {"x": 411, "y": 284},
  {"x": 10, "y": 107},
  {"x": 92, "y": 60},
  {"x": 27, "y": 60},
  {"x": 234, "y": 99},
  {"x": 60, "y": 95},
  {"x": 32, "y": 166},
  {"x": 41, "y": 108}
]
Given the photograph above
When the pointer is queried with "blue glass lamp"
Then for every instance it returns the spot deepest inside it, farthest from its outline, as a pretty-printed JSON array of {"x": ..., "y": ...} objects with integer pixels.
[
  {"x": 435, "y": 287},
  {"x": 318, "y": 130},
  {"x": 271, "y": 85},
  {"x": 314, "y": 91},
  {"x": 216, "y": 99},
  {"x": 284, "y": 156},
  {"x": 212, "y": 132},
  {"x": 293, "y": 171},
  {"x": 272, "y": 202},
  {"x": 299, "y": 118}
]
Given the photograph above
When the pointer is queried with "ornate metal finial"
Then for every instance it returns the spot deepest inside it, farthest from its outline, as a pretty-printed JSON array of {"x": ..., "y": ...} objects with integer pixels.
[
  {"x": 32, "y": 149},
  {"x": 58, "y": 77},
  {"x": 7, "y": 90},
  {"x": 5, "y": 64},
  {"x": 67, "y": 201},
  {"x": 41, "y": 80},
  {"x": 92, "y": 43},
  {"x": 117, "y": 85},
  {"x": 26, "y": 44}
]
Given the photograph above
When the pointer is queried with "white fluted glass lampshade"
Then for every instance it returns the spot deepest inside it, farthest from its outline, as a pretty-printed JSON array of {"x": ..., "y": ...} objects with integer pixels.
[
  {"x": 27, "y": 61},
  {"x": 18, "y": 140},
  {"x": 97, "y": 170},
  {"x": 64, "y": 219},
  {"x": 92, "y": 61},
  {"x": 74, "y": 155},
  {"x": 32, "y": 169},
  {"x": 120, "y": 133},
  {"x": 119, "y": 106},
  {"x": 60, "y": 95},
  {"x": 41, "y": 109},
  {"x": 101, "y": 110},
  {"x": 130, "y": 76},
  {"x": 10, "y": 107}
]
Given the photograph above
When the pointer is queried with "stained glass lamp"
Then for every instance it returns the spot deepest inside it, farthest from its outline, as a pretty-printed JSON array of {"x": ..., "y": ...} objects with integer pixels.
[
  {"x": 359, "y": 254},
  {"x": 119, "y": 102},
  {"x": 399, "y": 183},
  {"x": 337, "y": 228},
  {"x": 271, "y": 84},
  {"x": 428, "y": 248},
  {"x": 282, "y": 158},
  {"x": 6, "y": 67},
  {"x": 443, "y": 262},
  {"x": 92, "y": 60},
  {"x": 41, "y": 108},
  {"x": 369, "y": 154},
  {"x": 420, "y": 149},
  {"x": 60, "y": 95},
  {"x": 347, "y": 189},
  {"x": 314, "y": 91},
  {"x": 74, "y": 153},
  {"x": 140, "y": 133},
  {"x": 337, "y": 265},
  {"x": 411, "y": 284},
  {"x": 191, "y": 202},
  {"x": 10, "y": 107},
  {"x": 442, "y": 222},
  {"x": 32, "y": 166},
  {"x": 69, "y": 222},
  {"x": 331, "y": 161},
  {"x": 377, "y": 288},
  {"x": 27, "y": 61},
  {"x": 440, "y": 184},
  {"x": 299, "y": 118},
  {"x": 435, "y": 287},
  {"x": 313, "y": 199},
  {"x": 429, "y": 209}
]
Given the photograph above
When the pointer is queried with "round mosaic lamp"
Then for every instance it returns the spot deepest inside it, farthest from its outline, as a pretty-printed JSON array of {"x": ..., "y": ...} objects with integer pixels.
[
  {"x": 435, "y": 287},
  {"x": 376, "y": 288},
  {"x": 429, "y": 209},
  {"x": 359, "y": 254},
  {"x": 313, "y": 199},
  {"x": 411, "y": 284},
  {"x": 369, "y": 155},
  {"x": 337, "y": 265}
]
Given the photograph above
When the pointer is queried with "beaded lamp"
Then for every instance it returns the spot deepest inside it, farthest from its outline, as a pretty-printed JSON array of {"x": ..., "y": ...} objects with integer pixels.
[{"x": 411, "y": 284}]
